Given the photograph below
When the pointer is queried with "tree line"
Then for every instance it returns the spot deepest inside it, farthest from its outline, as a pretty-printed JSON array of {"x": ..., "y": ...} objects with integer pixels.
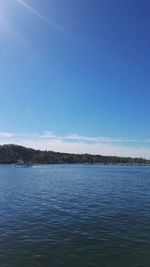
[{"x": 11, "y": 153}]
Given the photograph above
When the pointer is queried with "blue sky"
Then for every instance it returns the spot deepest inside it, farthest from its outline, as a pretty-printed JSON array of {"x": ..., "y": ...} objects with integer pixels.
[{"x": 74, "y": 75}]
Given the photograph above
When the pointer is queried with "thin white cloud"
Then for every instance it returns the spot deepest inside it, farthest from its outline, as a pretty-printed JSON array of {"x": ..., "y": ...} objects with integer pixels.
[
  {"x": 47, "y": 135},
  {"x": 76, "y": 137},
  {"x": 99, "y": 139},
  {"x": 6, "y": 134},
  {"x": 44, "y": 18}
]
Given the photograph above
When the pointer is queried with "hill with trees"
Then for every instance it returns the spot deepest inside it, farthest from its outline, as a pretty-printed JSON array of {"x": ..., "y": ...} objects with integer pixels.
[{"x": 11, "y": 153}]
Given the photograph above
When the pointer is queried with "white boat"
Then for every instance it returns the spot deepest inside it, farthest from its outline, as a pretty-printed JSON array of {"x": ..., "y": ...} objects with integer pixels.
[{"x": 21, "y": 164}]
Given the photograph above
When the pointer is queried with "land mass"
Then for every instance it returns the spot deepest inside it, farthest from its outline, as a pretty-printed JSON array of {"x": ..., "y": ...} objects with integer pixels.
[{"x": 11, "y": 153}]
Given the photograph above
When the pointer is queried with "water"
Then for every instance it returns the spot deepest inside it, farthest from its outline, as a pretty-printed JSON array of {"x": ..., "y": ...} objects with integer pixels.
[{"x": 75, "y": 215}]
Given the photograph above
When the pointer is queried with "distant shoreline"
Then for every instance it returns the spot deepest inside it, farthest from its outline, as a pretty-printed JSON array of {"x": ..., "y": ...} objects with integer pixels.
[
  {"x": 97, "y": 164},
  {"x": 11, "y": 153}
]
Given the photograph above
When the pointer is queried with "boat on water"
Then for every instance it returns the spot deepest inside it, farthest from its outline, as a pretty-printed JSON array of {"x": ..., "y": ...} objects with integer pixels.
[{"x": 21, "y": 164}]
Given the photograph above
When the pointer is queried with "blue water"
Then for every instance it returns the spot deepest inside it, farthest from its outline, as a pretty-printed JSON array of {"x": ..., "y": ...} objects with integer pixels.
[{"x": 75, "y": 215}]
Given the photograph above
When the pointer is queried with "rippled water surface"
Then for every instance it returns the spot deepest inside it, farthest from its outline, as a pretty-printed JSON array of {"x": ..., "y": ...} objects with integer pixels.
[{"x": 75, "y": 215}]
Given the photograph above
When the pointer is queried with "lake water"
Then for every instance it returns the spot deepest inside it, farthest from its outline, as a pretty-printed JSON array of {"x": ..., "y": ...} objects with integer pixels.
[{"x": 75, "y": 215}]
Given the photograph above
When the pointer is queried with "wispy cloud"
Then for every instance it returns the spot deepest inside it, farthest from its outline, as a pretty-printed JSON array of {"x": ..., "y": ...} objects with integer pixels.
[
  {"x": 45, "y": 19},
  {"x": 6, "y": 134},
  {"x": 102, "y": 139},
  {"x": 76, "y": 137},
  {"x": 48, "y": 135}
]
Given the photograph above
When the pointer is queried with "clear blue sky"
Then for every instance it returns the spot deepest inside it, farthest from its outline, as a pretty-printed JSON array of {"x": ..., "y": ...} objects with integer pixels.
[{"x": 76, "y": 67}]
